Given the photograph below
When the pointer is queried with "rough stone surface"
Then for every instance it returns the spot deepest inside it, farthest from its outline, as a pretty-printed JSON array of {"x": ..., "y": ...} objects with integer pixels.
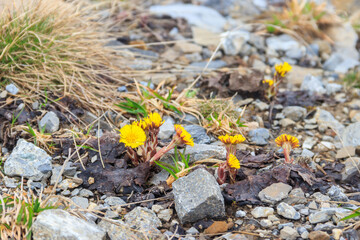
[
  {"x": 287, "y": 211},
  {"x": 240, "y": 214},
  {"x": 81, "y": 202},
  {"x": 50, "y": 121},
  {"x": 113, "y": 201},
  {"x": 259, "y": 136},
  {"x": 296, "y": 196},
  {"x": 198, "y": 133},
  {"x": 55, "y": 224},
  {"x": 143, "y": 220},
  {"x": 197, "y": 196},
  {"x": 351, "y": 135},
  {"x": 202, "y": 151},
  {"x": 259, "y": 212},
  {"x": 337, "y": 194},
  {"x": 295, "y": 113},
  {"x": 313, "y": 85},
  {"x": 121, "y": 232},
  {"x": 28, "y": 161},
  {"x": 275, "y": 192},
  {"x": 167, "y": 129},
  {"x": 351, "y": 168},
  {"x": 345, "y": 152},
  {"x": 283, "y": 42},
  {"x": 199, "y": 16},
  {"x": 288, "y": 233},
  {"x": 11, "y": 88},
  {"x": 320, "y": 217},
  {"x": 326, "y": 119}
]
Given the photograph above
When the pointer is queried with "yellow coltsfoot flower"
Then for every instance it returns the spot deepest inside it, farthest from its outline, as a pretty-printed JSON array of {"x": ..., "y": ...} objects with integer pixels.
[
  {"x": 226, "y": 139},
  {"x": 132, "y": 136},
  {"x": 141, "y": 124},
  {"x": 183, "y": 135},
  {"x": 233, "y": 161},
  {"x": 154, "y": 120},
  {"x": 286, "y": 139},
  {"x": 283, "y": 69},
  {"x": 269, "y": 81}
]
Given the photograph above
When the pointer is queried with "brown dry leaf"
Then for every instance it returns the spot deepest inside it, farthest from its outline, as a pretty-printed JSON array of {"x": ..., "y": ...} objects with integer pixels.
[
  {"x": 217, "y": 227},
  {"x": 258, "y": 161},
  {"x": 139, "y": 44}
]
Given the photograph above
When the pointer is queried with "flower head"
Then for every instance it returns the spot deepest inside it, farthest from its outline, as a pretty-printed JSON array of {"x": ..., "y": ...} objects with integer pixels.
[
  {"x": 154, "y": 120},
  {"x": 183, "y": 135},
  {"x": 268, "y": 81},
  {"x": 232, "y": 139},
  {"x": 233, "y": 161},
  {"x": 286, "y": 139},
  {"x": 282, "y": 69},
  {"x": 132, "y": 136},
  {"x": 141, "y": 124}
]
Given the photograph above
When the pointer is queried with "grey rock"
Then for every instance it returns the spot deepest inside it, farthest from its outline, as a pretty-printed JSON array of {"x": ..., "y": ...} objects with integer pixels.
[
  {"x": 287, "y": 211},
  {"x": 165, "y": 214},
  {"x": 296, "y": 196},
  {"x": 309, "y": 143},
  {"x": 307, "y": 153},
  {"x": 3, "y": 94},
  {"x": 259, "y": 136},
  {"x": 167, "y": 129},
  {"x": 259, "y": 212},
  {"x": 122, "y": 89},
  {"x": 295, "y": 113},
  {"x": 141, "y": 64},
  {"x": 121, "y": 231},
  {"x": 197, "y": 196},
  {"x": 75, "y": 192},
  {"x": 81, "y": 202},
  {"x": 337, "y": 194},
  {"x": 240, "y": 214},
  {"x": 57, "y": 224},
  {"x": 198, "y": 134},
  {"x": 234, "y": 41},
  {"x": 275, "y": 193},
  {"x": 10, "y": 182},
  {"x": 86, "y": 193},
  {"x": 288, "y": 224},
  {"x": 114, "y": 201},
  {"x": 11, "y": 88},
  {"x": 262, "y": 106},
  {"x": 320, "y": 217},
  {"x": 50, "y": 121},
  {"x": 332, "y": 88},
  {"x": 295, "y": 53},
  {"x": 288, "y": 233},
  {"x": 190, "y": 119},
  {"x": 320, "y": 197},
  {"x": 143, "y": 220},
  {"x": 192, "y": 231},
  {"x": 283, "y": 42},
  {"x": 304, "y": 211},
  {"x": 159, "y": 177},
  {"x": 351, "y": 135},
  {"x": 266, "y": 223},
  {"x": 339, "y": 63},
  {"x": 257, "y": 40},
  {"x": 212, "y": 65},
  {"x": 287, "y": 122},
  {"x": 28, "y": 161},
  {"x": 199, "y": 16},
  {"x": 313, "y": 85},
  {"x": 202, "y": 151},
  {"x": 350, "y": 169},
  {"x": 326, "y": 119}
]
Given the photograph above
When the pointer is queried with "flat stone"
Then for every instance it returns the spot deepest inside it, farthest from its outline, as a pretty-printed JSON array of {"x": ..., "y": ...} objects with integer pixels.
[
  {"x": 240, "y": 214},
  {"x": 351, "y": 168},
  {"x": 326, "y": 119},
  {"x": 296, "y": 196},
  {"x": 275, "y": 193},
  {"x": 167, "y": 129},
  {"x": 287, "y": 211},
  {"x": 143, "y": 220},
  {"x": 337, "y": 194},
  {"x": 351, "y": 135},
  {"x": 260, "y": 212},
  {"x": 288, "y": 233},
  {"x": 54, "y": 224},
  {"x": 345, "y": 152},
  {"x": 309, "y": 143},
  {"x": 28, "y": 161},
  {"x": 202, "y": 151},
  {"x": 319, "y": 235},
  {"x": 297, "y": 74},
  {"x": 198, "y": 134},
  {"x": 259, "y": 136},
  {"x": 313, "y": 85},
  {"x": 121, "y": 231},
  {"x": 81, "y": 202},
  {"x": 200, "y": 16},
  {"x": 50, "y": 122},
  {"x": 10, "y": 182},
  {"x": 307, "y": 153},
  {"x": 165, "y": 214},
  {"x": 320, "y": 217},
  {"x": 114, "y": 201},
  {"x": 197, "y": 196},
  {"x": 332, "y": 88},
  {"x": 287, "y": 122},
  {"x": 283, "y": 42},
  {"x": 295, "y": 113},
  {"x": 234, "y": 41},
  {"x": 11, "y": 88},
  {"x": 86, "y": 193}
]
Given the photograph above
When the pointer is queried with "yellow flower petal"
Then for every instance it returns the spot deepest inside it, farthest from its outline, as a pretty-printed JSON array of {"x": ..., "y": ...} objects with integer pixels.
[
  {"x": 233, "y": 161},
  {"x": 268, "y": 81},
  {"x": 183, "y": 135},
  {"x": 132, "y": 136},
  {"x": 232, "y": 139},
  {"x": 282, "y": 69},
  {"x": 285, "y": 138},
  {"x": 154, "y": 120}
]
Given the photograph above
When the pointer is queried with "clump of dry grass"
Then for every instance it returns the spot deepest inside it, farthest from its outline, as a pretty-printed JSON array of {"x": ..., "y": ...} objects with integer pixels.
[
  {"x": 57, "y": 45},
  {"x": 306, "y": 18}
]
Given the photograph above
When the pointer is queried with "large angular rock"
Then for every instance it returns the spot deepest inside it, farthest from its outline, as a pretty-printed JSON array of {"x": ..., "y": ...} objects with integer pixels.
[
  {"x": 28, "y": 161},
  {"x": 145, "y": 221},
  {"x": 57, "y": 224},
  {"x": 351, "y": 135},
  {"x": 202, "y": 151},
  {"x": 198, "y": 133},
  {"x": 197, "y": 196},
  {"x": 50, "y": 122},
  {"x": 287, "y": 211}
]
